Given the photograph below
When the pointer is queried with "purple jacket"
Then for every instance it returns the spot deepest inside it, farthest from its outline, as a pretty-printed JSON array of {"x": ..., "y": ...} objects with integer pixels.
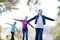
[{"x": 24, "y": 22}]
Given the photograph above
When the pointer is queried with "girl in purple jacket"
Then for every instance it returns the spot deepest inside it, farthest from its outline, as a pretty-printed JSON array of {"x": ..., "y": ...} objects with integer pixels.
[{"x": 24, "y": 27}]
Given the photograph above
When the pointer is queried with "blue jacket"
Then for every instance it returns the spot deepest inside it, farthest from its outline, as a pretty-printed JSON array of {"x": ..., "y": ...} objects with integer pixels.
[{"x": 43, "y": 17}]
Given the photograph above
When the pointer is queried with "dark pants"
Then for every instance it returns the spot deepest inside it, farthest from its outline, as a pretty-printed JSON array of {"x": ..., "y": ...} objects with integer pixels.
[
  {"x": 25, "y": 32},
  {"x": 12, "y": 37},
  {"x": 39, "y": 33}
]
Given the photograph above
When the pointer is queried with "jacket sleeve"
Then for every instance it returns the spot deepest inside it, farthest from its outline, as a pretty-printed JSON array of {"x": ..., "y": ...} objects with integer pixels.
[
  {"x": 49, "y": 18},
  {"x": 16, "y": 28},
  {"x": 18, "y": 20},
  {"x": 9, "y": 24},
  {"x": 31, "y": 19},
  {"x": 30, "y": 25}
]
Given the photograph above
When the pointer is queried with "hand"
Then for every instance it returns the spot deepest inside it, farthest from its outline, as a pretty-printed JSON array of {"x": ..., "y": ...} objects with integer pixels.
[{"x": 56, "y": 20}]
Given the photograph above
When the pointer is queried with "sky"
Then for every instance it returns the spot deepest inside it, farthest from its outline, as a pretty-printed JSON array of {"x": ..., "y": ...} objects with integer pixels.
[{"x": 49, "y": 8}]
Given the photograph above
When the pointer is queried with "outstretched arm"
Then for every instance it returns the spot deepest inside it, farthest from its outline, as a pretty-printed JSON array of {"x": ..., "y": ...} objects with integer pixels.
[
  {"x": 49, "y": 18},
  {"x": 18, "y": 20},
  {"x": 16, "y": 28},
  {"x": 8, "y": 23},
  {"x": 30, "y": 25},
  {"x": 31, "y": 19}
]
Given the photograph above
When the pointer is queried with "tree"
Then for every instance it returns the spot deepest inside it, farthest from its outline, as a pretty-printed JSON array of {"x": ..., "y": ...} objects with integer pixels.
[
  {"x": 3, "y": 0},
  {"x": 0, "y": 31},
  {"x": 59, "y": 10},
  {"x": 30, "y": 1},
  {"x": 56, "y": 30},
  {"x": 8, "y": 0},
  {"x": 58, "y": 0},
  {"x": 8, "y": 5}
]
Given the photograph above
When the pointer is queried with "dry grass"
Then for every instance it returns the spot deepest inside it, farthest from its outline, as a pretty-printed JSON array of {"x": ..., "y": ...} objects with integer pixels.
[{"x": 18, "y": 36}]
